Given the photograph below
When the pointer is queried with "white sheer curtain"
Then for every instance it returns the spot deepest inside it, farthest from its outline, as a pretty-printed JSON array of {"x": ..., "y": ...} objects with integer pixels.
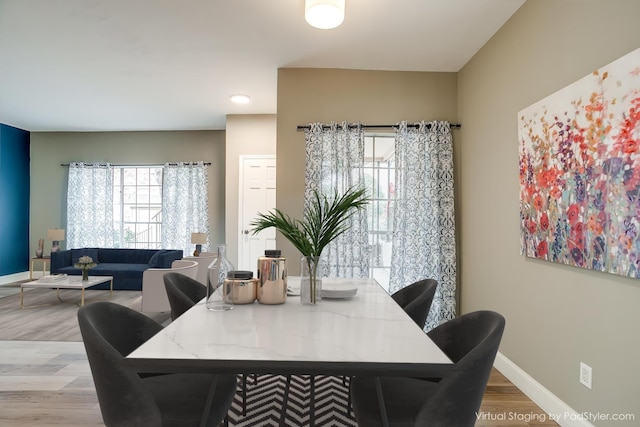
[
  {"x": 90, "y": 206},
  {"x": 423, "y": 223},
  {"x": 334, "y": 161},
  {"x": 185, "y": 205}
]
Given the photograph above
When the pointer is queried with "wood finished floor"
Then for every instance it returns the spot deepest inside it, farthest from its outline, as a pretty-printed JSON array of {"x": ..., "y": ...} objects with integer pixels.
[{"x": 48, "y": 383}]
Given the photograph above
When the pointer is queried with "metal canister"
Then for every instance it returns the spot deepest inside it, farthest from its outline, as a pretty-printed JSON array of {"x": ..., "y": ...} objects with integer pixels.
[
  {"x": 272, "y": 277},
  {"x": 240, "y": 287}
]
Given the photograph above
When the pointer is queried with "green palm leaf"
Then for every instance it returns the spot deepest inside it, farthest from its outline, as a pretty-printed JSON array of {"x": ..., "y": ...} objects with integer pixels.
[{"x": 324, "y": 220}]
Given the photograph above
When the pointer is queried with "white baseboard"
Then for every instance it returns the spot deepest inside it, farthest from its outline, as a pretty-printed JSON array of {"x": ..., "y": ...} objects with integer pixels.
[
  {"x": 10, "y": 278},
  {"x": 562, "y": 413}
]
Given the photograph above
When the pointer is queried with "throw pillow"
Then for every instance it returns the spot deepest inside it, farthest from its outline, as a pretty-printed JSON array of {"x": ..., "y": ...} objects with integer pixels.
[
  {"x": 77, "y": 253},
  {"x": 156, "y": 261}
]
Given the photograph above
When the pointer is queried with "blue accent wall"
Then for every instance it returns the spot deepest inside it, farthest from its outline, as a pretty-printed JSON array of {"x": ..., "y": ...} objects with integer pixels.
[{"x": 14, "y": 200}]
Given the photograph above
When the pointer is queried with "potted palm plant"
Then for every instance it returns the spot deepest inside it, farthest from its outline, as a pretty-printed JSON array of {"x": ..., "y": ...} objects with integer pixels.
[{"x": 324, "y": 220}]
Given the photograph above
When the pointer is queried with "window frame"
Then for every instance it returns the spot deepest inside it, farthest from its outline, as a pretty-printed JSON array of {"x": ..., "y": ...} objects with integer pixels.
[
  {"x": 376, "y": 165},
  {"x": 141, "y": 190}
]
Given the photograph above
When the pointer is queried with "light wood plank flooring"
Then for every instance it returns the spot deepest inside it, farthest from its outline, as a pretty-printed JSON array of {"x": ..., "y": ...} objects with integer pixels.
[{"x": 48, "y": 383}]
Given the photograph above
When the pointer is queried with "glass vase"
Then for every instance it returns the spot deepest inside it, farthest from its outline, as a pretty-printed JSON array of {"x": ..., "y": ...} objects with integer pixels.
[
  {"x": 217, "y": 298},
  {"x": 310, "y": 280},
  {"x": 40, "y": 250},
  {"x": 85, "y": 275}
]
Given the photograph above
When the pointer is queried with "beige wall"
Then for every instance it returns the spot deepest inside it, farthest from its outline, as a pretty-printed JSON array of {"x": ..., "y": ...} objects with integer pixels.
[
  {"x": 556, "y": 315},
  {"x": 49, "y": 179},
  {"x": 370, "y": 97},
  {"x": 246, "y": 135}
]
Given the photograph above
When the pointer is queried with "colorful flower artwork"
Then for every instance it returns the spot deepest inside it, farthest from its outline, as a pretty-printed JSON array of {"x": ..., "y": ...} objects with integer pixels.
[{"x": 580, "y": 172}]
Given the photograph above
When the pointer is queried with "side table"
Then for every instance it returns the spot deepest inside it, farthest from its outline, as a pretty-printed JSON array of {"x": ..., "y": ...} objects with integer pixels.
[{"x": 44, "y": 260}]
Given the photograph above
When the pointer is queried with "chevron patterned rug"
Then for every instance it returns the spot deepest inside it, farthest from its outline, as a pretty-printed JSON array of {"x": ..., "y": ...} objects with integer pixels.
[{"x": 264, "y": 403}]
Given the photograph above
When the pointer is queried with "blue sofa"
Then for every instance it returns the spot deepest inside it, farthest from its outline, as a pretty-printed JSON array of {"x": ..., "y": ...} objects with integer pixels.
[{"x": 125, "y": 265}]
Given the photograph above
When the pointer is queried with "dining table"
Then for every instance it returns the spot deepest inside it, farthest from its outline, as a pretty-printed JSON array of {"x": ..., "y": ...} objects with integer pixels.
[{"x": 357, "y": 330}]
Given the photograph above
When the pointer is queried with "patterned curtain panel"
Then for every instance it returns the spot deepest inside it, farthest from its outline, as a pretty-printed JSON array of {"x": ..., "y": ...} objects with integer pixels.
[
  {"x": 185, "y": 205},
  {"x": 334, "y": 161},
  {"x": 90, "y": 206},
  {"x": 423, "y": 222}
]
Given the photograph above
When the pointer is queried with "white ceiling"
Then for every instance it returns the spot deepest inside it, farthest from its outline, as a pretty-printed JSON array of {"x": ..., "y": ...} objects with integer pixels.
[{"x": 108, "y": 65}]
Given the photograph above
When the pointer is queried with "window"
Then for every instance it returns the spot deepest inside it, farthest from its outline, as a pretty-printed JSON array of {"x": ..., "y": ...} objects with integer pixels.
[
  {"x": 379, "y": 175},
  {"x": 137, "y": 206}
]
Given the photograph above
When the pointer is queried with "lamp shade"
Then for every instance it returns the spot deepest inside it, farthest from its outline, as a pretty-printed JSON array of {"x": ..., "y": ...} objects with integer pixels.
[
  {"x": 324, "y": 14},
  {"x": 55, "y": 234},
  {"x": 199, "y": 238}
]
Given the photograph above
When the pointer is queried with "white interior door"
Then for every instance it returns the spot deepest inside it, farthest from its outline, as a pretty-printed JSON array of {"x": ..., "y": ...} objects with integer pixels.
[{"x": 257, "y": 195}]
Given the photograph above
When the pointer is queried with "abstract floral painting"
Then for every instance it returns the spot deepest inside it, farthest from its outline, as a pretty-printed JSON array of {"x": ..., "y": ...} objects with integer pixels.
[{"x": 580, "y": 172}]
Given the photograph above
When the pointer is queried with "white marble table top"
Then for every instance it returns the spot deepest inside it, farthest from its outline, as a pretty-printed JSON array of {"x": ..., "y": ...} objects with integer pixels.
[{"x": 367, "y": 334}]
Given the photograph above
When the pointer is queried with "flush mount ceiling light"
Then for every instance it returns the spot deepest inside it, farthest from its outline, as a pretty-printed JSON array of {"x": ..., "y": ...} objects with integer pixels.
[
  {"x": 324, "y": 14},
  {"x": 240, "y": 99}
]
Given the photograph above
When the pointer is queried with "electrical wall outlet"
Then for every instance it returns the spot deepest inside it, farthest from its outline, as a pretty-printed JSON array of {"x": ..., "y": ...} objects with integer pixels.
[{"x": 585, "y": 375}]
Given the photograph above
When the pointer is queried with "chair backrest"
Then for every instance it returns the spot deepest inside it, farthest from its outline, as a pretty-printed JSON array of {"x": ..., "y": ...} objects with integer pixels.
[
  {"x": 110, "y": 332},
  {"x": 183, "y": 292},
  {"x": 416, "y": 299},
  {"x": 154, "y": 295},
  {"x": 204, "y": 260},
  {"x": 471, "y": 341}
]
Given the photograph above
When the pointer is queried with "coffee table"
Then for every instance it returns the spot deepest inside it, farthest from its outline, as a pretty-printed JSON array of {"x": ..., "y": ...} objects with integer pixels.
[{"x": 70, "y": 282}]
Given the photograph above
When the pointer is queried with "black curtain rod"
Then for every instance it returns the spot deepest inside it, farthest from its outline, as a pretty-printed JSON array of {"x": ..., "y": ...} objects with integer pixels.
[
  {"x": 352, "y": 126},
  {"x": 141, "y": 165}
]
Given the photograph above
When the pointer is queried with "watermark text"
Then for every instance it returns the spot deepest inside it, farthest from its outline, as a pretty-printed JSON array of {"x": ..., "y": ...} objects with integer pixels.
[{"x": 558, "y": 417}]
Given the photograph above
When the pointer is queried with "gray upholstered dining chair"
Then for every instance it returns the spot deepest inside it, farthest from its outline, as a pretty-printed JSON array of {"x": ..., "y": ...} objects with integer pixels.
[
  {"x": 110, "y": 332},
  {"x": 183, "y": 293},
  {"x": 416, "y": 299},
  {"x": 471, "y": 341}
]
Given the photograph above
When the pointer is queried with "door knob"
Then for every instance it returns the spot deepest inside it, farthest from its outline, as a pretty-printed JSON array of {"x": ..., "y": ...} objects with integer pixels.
[{"x": 246, "y": 231}]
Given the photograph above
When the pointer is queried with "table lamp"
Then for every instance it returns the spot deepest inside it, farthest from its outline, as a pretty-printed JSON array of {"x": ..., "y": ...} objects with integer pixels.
[
  {"x": 198, "y": 239},
  {"x": 55, "y": 235}
]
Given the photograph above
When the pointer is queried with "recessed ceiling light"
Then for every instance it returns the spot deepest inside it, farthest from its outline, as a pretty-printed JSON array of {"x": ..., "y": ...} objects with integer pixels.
[{"x": 240, "y": 99}]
